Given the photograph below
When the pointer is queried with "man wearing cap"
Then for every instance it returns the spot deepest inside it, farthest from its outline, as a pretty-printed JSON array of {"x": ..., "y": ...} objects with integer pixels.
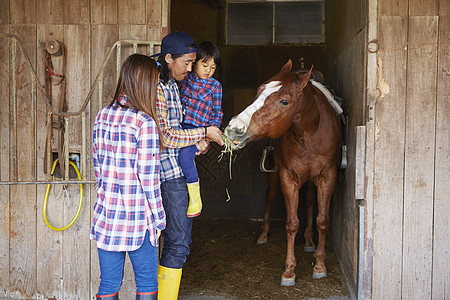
[{"x": 178, "y": 53}]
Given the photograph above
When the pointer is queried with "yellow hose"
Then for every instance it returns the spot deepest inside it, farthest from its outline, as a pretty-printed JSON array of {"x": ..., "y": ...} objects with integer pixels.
[{"x": 47, "y": 191}]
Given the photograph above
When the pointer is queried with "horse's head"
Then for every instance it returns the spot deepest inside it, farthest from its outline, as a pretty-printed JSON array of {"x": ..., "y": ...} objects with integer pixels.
[{"x": 272, "y": 111}]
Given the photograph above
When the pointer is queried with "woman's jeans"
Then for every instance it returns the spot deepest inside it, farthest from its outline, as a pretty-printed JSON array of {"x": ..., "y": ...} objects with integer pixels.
[
  {"x": 145, "y": 267},
  {"x": 177, "y": 235}
]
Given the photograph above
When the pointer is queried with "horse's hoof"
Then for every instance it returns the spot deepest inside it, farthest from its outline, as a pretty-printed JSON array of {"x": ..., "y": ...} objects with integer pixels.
[
  {"x": 309, "y": 249},
  {"x": 287, "y": 281},
  {"x": 319, "y": 275},
  {"x": 260, "y": 242}
]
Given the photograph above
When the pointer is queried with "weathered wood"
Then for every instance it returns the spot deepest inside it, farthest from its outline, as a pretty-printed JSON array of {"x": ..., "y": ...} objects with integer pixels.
[
  {"x": 154, "y": 34},
  {"x": 4, "y": 12},
  {"x": 441, "y": 257},
  {"x": 50, "y": 12},
  {"x": 423, "y": 8},
  {"x": 103, "y": 38},
  {"x": 76, "y": 12},
  {"x": 103, "y": 12},
  {"x": 23, "y": 11},
  {"x": 393, "y": 7},
  {"x": 23, "y": 198},
  {"x": 388, "y": 158},
  {"x": 419, "y": 158},
  {"x": 154, "y": 13},
  {"x": 132, "y": 32},
  {"x": 131, "y": 12},
  {"x": 75, "y": 244},
  {"x": 49, "y": 243},
  {"x": 4, "y": 159}
]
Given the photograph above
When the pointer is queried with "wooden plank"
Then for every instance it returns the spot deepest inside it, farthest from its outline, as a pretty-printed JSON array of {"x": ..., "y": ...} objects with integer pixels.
[
  {"x": 4, "y": 12},
  {"x": 132, "y": 32},
  {"x": 131, "y": 12},
  {"x": 419, "y": 158},
  {"x": 4, "y": 160},
  {"x": 76, "y": 12},
  {"x": 23, "y": 198},
  {"x": 154, "y": 13},
  {"x": 423, "y": 8},
  {"x": 75, "y": 243},
  {"x": 388, "y": 158},
  {"x": 441, "y": 258},
  {"x": 154, "y": 34},
  {"x": 103, "y": 12},
  {"x": 393, "y": 7},
  {"x": 444, "y": 7},
  {"x": 49, "y": 245},
  {"x": 50, "y": 12},
  {"x": 103, "y": 38},
  {"x": 23, "y": 11}
]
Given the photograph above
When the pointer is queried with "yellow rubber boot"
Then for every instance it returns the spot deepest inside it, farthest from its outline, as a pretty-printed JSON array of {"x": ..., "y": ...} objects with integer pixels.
[
  {"x": 168, "y": 283},
  {"x": 195, "y": 200}
]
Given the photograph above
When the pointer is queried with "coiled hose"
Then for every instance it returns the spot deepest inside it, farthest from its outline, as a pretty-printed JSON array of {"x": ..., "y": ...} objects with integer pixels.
[{"x": 47, "y": 191}]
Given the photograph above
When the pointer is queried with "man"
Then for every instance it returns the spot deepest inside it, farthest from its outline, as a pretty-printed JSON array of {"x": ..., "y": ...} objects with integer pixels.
[{"x": 178, "y": 53}]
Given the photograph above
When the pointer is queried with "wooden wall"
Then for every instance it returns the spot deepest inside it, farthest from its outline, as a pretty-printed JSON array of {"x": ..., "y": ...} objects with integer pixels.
[
  {"x": 408, "y": 150},
  {"x": 346, "y": 31},
  {"x": 36, "y": 262}
]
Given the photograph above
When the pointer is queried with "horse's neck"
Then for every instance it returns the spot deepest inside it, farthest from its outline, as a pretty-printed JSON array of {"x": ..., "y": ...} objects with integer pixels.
[{"x": 307, "y": 117}]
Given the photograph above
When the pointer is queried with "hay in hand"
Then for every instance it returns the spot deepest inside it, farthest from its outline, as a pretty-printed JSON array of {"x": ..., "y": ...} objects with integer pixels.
[{"x": 229, "y": 147}]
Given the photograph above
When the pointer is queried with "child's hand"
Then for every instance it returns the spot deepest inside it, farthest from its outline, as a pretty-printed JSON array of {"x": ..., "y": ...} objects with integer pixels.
[{"x": 202, "y": 147}]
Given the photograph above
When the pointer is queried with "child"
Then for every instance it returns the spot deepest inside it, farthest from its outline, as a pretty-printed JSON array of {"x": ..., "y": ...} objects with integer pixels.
[
  {"x": 201, "y": 97},
  {"x": 128, "y": 212}
]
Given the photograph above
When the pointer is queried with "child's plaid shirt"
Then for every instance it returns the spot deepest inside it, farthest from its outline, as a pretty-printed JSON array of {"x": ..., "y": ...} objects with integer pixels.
[
  {"x": 202, "y": 101},
  {"x": 170, "y": 113},
  {"x": 126, "y": 161}
]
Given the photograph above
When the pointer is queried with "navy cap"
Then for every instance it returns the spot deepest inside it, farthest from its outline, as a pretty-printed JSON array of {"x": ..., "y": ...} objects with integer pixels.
[{"x": 176, "y": 43}]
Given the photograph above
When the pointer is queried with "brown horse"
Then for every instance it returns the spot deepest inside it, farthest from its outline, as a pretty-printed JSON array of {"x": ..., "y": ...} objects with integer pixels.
[{"x": 307, "y": 140}]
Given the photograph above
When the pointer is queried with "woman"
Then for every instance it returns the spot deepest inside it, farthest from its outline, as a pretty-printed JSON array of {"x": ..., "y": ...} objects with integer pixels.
[{"x": 128, "y": 213}]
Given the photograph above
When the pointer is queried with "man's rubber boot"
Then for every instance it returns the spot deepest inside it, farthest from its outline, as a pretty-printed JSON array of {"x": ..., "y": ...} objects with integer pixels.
[
  {"x": 146, "y": 296},
  {"x": 195, "y": 200},
  {"x": 168, "y": 283},
  {"x": 108, "y": 297}
]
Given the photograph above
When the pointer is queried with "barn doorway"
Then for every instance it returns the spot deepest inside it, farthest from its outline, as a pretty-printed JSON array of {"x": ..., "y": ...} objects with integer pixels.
[{"x": 254, "y": 45}]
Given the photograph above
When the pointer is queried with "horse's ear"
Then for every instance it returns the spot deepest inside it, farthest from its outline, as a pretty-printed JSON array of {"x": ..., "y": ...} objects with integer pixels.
[
  {"x": 287, "y": 67},
  {"x": 304, "y": 79}
]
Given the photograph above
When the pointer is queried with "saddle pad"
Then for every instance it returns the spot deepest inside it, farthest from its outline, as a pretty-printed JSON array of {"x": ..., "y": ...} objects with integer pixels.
[{"x": 337, "y": 108}]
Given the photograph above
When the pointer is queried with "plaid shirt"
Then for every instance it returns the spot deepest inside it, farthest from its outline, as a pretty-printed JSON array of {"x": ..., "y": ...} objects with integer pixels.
[
  {"x": 202, "y": 101},
  {"x": 170, "y": 114},
  {"x": 126, "y": 165}
]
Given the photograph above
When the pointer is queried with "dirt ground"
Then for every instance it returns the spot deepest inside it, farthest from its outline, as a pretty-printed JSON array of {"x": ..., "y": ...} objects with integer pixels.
[{"x": 226, "y": 261}]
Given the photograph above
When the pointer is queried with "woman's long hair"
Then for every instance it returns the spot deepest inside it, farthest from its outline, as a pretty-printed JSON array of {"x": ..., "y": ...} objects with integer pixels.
[{"x": 138, "y": 81}]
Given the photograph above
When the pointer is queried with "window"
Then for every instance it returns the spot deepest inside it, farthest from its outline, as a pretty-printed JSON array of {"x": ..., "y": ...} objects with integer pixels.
[{"x": 265, "y": 23}]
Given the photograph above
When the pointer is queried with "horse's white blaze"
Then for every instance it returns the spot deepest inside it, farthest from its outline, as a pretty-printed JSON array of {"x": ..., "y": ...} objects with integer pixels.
[{"x": 242, "y": 121}]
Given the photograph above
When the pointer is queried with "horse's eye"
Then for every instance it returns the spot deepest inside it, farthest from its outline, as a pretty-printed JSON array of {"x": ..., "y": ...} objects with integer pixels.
[{"x": 284, "y": 102}]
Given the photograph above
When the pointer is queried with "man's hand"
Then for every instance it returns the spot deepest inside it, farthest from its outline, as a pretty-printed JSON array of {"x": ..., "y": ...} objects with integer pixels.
[{"x": 214, "y": 134}]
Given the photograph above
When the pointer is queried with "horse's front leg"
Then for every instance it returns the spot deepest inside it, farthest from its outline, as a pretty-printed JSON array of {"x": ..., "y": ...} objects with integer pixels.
[
  {"x": 325, "y": 189},
  {"x": 310, "y": 200},
  {"x": 272, "y": 180},
  {"x": 290, "y": 192}
]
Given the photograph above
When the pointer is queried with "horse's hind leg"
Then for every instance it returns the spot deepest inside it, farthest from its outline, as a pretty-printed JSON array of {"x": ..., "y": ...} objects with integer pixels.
[
  {"x": 272, "y": 180},
  {"x": 324, "y": 192},
  {"x": 310, "y": 201}
]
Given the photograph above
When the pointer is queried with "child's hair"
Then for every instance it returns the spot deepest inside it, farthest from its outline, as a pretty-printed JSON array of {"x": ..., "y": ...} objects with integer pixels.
[
  {"x": 138, "y": 80},
  {"x": 207, "y": 50}
]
